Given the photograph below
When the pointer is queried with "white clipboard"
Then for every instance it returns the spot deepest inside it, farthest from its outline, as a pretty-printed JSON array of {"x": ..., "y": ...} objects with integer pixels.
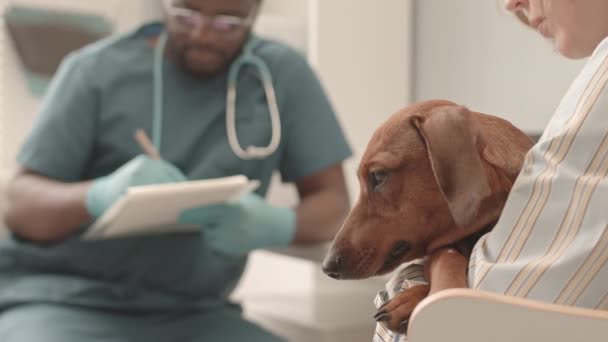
[{"x": 155, "y": 209}]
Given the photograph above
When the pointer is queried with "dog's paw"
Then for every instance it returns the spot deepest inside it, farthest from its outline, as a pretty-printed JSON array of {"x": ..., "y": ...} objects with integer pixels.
[{"x": 396, "y": 313}]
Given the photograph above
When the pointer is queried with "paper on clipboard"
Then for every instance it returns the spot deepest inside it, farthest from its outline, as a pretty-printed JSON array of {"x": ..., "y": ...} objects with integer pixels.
[{"x": 155, "y": 209}]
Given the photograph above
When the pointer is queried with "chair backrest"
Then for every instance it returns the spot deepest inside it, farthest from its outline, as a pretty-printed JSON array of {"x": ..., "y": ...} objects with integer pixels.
[{"x": 466, "y": 315}]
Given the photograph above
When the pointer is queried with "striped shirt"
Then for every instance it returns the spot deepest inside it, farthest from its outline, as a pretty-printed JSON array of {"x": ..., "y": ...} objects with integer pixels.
[
  {"x": 407, "y": 276},
  {"x": 551, "y": 242}
]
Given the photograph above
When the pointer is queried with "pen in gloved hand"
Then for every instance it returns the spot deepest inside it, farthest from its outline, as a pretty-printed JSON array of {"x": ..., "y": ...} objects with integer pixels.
[
  {"x": 140, "y": 170},
  {"x": 146, "y": 145}
]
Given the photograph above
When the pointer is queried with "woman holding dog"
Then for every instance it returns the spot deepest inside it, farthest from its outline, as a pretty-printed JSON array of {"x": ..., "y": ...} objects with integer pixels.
[{"x": 551, "y": 243}]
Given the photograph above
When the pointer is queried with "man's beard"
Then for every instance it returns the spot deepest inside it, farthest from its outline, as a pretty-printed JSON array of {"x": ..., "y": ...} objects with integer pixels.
[{"x": 180, "y": 55}]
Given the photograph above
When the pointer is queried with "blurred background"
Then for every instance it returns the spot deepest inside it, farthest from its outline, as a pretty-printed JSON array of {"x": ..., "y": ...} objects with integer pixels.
[{"x": 373, "y": 57}]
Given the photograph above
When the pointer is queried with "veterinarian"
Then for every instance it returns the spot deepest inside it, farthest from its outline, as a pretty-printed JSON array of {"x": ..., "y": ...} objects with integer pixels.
[{"x": 205, "y": 89}]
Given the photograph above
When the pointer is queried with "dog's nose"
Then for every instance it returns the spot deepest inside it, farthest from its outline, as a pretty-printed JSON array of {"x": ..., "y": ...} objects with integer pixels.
[{"x": 332, "y": 266}]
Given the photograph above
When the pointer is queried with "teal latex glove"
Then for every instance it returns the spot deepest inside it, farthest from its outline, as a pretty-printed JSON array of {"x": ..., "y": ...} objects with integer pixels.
[
  {"x": 141, "y": 170},
  {"x": 238, "y": 228}
]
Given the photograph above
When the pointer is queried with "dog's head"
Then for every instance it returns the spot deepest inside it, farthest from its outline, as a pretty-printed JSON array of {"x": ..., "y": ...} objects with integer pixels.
[{"x": 433, "y": 174}]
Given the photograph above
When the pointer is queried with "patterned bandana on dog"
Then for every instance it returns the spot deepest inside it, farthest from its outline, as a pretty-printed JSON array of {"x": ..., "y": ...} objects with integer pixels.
[{"x": 410, "y": 275}]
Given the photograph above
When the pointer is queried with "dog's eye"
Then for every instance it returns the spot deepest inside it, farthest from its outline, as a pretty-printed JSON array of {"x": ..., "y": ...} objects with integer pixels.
[{"x": 377, "y": 179}]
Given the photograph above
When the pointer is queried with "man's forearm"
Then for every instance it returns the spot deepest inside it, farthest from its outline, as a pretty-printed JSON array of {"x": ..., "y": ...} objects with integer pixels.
[
  {"x": 320, "y": 215},
  {"x": 44, "y": 210}
]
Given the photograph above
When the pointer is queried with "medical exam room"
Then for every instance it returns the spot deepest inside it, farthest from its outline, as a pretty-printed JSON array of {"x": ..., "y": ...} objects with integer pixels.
[{"x": 303, "y": 170}]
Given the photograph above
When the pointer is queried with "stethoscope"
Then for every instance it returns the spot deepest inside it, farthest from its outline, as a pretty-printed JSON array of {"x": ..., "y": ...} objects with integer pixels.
[{"x": 247, "y": 58}]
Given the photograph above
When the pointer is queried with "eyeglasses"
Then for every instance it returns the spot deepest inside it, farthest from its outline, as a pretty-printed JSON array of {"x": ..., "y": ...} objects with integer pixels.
[{"x": 188, "y": 21}]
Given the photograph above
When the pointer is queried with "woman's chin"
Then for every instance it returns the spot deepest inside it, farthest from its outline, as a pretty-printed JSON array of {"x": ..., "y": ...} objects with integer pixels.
[{"x": 570, "y": 49}]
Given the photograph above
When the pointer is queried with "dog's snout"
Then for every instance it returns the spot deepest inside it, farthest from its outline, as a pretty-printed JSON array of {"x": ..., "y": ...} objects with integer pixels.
[{"x": 332, "y": 266}]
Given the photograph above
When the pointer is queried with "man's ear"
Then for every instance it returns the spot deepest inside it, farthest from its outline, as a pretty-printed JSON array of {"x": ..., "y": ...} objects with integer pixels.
[{"x": 451, "y": 143}]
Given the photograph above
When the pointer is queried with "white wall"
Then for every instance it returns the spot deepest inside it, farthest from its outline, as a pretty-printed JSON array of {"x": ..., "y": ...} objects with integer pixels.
[
  {"x": 286, "y": 20},
  {"x": 362, "y": 52},
  {"x": 474, "y": 53}
]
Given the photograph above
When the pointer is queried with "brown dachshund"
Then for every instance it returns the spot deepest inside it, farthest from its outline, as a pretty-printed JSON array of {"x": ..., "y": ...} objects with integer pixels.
[{"x": 433, "y": 179}]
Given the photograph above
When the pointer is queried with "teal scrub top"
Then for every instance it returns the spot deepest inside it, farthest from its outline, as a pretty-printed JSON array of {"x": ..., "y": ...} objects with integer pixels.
[{"x": 99, "y": 97}]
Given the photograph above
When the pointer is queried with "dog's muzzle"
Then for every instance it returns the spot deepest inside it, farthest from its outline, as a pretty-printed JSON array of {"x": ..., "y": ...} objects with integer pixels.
[{"x": 332, "y": 266}]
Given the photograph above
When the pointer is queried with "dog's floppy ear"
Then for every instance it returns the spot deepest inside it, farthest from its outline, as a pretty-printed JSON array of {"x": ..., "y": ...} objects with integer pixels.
[
  {"x": 451, "y": 143},
  {"x": 505, "y": 151}
]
